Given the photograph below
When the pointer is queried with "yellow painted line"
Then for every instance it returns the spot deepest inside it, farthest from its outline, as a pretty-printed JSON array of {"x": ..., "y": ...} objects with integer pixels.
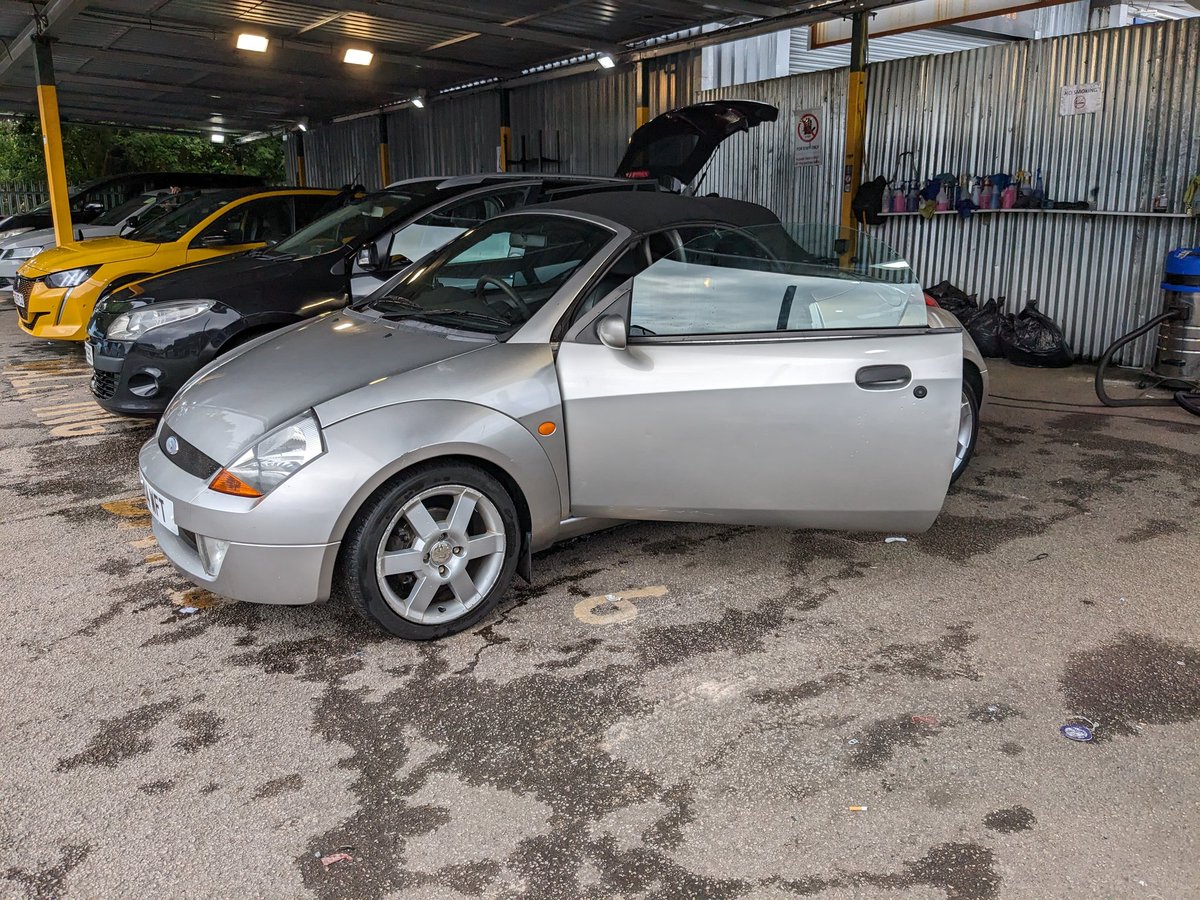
[
  {"x": 63, "y": 404},
  {"x": 614, "y": 608}
]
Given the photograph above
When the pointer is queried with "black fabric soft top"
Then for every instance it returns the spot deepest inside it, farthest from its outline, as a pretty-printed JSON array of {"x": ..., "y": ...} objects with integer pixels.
[{"x": 647, "y": 212}]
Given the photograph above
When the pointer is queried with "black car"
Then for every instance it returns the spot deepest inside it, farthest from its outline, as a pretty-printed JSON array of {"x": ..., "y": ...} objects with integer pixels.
[
  {"x": 96, "y": 197},
  {"x": 149, "y": 337}
]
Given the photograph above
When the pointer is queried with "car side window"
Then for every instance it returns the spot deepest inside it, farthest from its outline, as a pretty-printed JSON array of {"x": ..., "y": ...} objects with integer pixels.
[
  {"x": 442, "y": 225},
  {"x": 730, "y": 281},
  {"x": 265, "y": 219},
  {"x": 628, "y": 265}
]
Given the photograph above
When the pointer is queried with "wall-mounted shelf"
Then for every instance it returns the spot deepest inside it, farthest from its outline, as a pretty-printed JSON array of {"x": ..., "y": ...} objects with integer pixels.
[{"x": 1051, "y": 212}]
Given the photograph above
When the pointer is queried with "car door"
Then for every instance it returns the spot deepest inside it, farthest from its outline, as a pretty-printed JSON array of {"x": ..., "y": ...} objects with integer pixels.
[
  {"x": 243, "y": 226},
  {"x": 755, "y": 392},
  {"x": 435, "y": 228}
]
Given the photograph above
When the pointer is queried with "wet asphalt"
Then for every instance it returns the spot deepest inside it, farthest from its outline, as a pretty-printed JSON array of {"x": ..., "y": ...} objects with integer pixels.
[{"x": 757, "y": 714}]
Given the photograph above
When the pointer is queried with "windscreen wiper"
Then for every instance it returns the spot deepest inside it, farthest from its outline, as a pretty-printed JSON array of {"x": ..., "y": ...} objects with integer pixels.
[{"x": 464, "y": 313}]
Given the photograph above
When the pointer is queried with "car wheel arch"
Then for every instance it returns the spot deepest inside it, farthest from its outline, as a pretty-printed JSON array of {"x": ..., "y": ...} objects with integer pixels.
[{"x": 523, "y": 466}]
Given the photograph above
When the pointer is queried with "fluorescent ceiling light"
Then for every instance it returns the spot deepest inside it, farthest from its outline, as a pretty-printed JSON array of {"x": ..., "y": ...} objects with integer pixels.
[
  {"x": 217, "y": 137},
  {"x": 358, "y": 57},
  {"x": 255, "y": 42},
  {"x": 418, "y": 102},
  {"x": 606, "y": 61}
]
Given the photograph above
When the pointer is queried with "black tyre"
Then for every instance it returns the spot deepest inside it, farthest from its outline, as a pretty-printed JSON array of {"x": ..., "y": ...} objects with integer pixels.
[
  {"x": 968, "y": 429},
  {"x": 432, "y": 553}
]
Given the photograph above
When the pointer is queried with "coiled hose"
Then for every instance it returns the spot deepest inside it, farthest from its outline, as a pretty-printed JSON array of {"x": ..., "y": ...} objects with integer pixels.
[{"x": 1120, "y": 342}]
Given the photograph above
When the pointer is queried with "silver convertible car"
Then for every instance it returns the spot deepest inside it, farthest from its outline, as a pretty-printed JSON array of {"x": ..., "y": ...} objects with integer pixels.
[{"x": 551, "y": 371}]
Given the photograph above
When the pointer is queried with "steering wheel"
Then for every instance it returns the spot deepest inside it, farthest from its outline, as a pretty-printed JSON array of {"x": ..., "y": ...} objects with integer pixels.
[{"x": 519, "y": 304}]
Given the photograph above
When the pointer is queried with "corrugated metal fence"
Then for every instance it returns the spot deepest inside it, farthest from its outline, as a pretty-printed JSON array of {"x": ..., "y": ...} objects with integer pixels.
[
  {"x": 996, "y": 110},
  {"x": 583, "y": 122}
]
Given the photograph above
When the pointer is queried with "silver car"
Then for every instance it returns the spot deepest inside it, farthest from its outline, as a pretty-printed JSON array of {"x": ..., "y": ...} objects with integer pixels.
[{"x": 611, "y": 357}]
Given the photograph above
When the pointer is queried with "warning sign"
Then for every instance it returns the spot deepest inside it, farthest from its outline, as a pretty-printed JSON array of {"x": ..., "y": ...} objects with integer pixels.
[
  {"x": 1080, "y": 99},
  {"x": 809, "y": 125}
]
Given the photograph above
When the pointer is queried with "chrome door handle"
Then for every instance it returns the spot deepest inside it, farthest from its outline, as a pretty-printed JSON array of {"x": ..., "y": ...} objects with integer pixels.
[{"x": 883, "y": 378}]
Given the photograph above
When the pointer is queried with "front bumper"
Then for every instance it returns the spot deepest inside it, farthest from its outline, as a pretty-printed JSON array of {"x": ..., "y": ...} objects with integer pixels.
[
  {"x": 286, "y": 575},
  {"x": 127, "y": 382},
  {"x": 59, "y": 314}
]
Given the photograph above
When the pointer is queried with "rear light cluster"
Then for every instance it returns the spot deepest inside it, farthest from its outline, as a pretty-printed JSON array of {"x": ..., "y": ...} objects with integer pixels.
[{"x": 929, "y": 301}]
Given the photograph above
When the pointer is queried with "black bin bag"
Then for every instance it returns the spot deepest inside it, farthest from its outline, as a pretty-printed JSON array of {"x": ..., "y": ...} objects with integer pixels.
[
  {"x": 984, "y": 328},
  {"x": 1032, "y": 339},
  {"x": 954, "y": 300}
]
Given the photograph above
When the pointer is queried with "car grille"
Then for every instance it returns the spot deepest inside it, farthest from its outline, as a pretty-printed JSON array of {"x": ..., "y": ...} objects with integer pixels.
[
  {"x": 187, "y": 457},
  {"x": 104, "y": 384},
  {"x": 24, "y": 285}
]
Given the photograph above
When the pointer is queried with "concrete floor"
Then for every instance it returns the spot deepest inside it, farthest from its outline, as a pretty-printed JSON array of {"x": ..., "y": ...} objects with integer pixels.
[{"x": 764, "y": 714}]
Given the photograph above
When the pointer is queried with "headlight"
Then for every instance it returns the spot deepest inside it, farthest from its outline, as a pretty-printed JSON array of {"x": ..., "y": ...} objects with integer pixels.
[
  {"x": 69, "y": 278},
  {"x": 132, "y": 325},
  {"x": 13, "y": 232},
  {"x": 273, "y": 460},
  {"x": 22, "y": 252}
]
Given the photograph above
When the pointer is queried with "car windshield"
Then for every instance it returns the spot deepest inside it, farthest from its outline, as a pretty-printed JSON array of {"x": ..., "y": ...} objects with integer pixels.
[
  {"x": 496, "y": 276},
  {"x": 360, "y": 219},
  {"x": 123, "y": 211},
  {"x": 731, "y": 280},
  {"x": 175, "y": 225}
]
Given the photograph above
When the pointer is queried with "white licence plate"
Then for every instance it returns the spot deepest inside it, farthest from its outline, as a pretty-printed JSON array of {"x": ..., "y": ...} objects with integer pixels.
[
  {"x": 19, "y": 299},
  {"x": 162, "y": 509},
  {"x": 87, "y": 351}
]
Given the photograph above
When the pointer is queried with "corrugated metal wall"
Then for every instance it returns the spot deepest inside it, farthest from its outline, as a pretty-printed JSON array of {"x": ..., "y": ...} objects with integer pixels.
[
  {"x": 451, "y": 137},
  {"x": 585, "y": 121},
  {"x": 593, "y": 116},
  {"x": 996, "y": 110}
]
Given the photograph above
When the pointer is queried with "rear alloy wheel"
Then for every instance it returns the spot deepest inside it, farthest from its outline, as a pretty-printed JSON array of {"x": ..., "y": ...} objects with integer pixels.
[
  {"x": 968, "y": 429},
  {"x": 434, "y": 553}
]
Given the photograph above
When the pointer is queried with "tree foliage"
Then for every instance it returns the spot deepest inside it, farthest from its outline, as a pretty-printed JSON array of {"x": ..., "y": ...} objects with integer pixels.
[{"x": 95, "y": 151}]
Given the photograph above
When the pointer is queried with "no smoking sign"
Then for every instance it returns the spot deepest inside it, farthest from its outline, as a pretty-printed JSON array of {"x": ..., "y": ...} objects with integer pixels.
[{"x": 808, "y": 137}]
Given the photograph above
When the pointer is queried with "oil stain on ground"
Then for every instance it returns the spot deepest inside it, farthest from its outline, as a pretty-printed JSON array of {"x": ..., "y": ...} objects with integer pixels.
[
  {"x": 1007, "y": 821},
  {"x": 1134, "y": 679}
]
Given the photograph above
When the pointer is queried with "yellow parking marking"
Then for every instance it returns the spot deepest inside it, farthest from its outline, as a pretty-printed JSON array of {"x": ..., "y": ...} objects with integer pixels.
[
  {"x": 615, "y": 608},
  {"x": 144, "y": 543},
  {"x": 59, "y": 387},
  {"x": 156, "y": 559}
]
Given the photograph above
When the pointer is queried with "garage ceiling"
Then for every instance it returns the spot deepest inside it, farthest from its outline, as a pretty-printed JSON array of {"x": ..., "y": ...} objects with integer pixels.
[{"x": 174, "y": 64}]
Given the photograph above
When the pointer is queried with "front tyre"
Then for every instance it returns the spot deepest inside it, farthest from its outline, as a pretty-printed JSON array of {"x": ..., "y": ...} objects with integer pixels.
[
  {"x": 433, "y": 553},
  {"x": 968, "y": 429}
]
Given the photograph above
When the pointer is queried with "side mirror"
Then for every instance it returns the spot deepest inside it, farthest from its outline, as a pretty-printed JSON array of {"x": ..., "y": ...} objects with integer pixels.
[
  {"x": 216, "y": 240},
  {"x": 613, "y": 332},
  {"x": 368, "y": 257},
  {"x": 132, "y": 222}
]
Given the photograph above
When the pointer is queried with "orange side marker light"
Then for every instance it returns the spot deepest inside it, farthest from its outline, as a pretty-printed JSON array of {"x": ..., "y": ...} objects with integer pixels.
[{"x": 547, "y": 428}]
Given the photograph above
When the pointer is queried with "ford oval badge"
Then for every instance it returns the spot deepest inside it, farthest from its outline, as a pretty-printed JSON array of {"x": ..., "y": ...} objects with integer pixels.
[{"x": 172, "y": 445}]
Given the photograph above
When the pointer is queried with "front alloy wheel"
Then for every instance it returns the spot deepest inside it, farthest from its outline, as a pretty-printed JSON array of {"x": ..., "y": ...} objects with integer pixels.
[{"x": 433, "y": 553}]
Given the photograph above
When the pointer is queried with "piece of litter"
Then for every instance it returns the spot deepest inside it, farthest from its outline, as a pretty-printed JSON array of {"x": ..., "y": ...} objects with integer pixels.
[
  {"x": 930, "y": 721},
  {"x": 852, "y": 741},
  {"x": 188, "y": 610},
  {"x": 332, "y": 858},
  {"x": 858, "y": 809},
  {"x": 1076, "y": 732},
  {"x": 895, "y": 540}
]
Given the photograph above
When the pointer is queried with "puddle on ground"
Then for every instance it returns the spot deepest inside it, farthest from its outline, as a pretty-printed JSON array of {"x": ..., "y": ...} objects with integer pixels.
[{"x": 1135, "y": 680}]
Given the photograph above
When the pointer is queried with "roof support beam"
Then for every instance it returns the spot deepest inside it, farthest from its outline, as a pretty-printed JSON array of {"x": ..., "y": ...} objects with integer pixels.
[{"x": 55, "y": 16}]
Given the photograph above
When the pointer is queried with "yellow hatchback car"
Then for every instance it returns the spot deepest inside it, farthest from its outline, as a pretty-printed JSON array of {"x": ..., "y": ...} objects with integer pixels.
[{"x": 56, "y": 290}]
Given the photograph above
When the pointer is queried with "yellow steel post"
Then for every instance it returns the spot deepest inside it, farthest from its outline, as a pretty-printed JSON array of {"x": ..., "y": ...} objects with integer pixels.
[
  {"x": 301, "y": 172},
  {"x": 383, "y": 151},
  {"x": 505, "y": 131},
  {"x": 856, "y": 132},
  {"x": 56, "y": 168},
  {"x": 643, "y": 92}
]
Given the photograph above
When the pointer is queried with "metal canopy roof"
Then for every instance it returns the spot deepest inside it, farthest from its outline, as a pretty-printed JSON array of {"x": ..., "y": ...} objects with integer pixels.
[{"x": 174, "y": 64}]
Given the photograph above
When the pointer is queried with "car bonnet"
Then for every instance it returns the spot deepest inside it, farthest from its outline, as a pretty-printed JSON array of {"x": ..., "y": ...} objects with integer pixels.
[
  {"x": 95, "y": 252},
  {"x": 248, "y": 393}
]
